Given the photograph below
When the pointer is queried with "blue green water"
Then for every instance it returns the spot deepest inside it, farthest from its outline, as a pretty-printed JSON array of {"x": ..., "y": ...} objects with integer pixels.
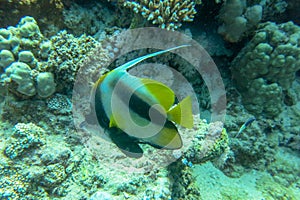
[{"x": 240, "y": 65}]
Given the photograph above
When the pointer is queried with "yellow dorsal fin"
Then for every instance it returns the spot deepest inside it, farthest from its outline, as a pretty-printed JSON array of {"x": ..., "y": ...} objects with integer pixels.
[
  {"x": 182, "y": 113},
  {"x": 167, "y": 138},
  {"x": 162, "y": 93}
]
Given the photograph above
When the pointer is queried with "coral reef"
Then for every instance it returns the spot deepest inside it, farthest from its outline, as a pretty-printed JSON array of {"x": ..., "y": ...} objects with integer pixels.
[
  {"x": 44, "y": 156},
  {"x": 267, "y": 66},
  {"x": 168, "y": 14},
  {"x": 20, "y": 73},
  {"x": 89, "y": 18},
  {"x": 59, "y": 104},
  {"x": 66, "y": 56},
  {"x": 183, "y": 186},
  {"x": 64, "y": 169},
  {"x": 26, "y": 136},
  {"x": 48, "y": 13},
  {"x": 34, "y": 66},
  {"x": 238, "y": 18},
  {"x": 23, "y": 52},
  {"x": 209, "y": 146}
]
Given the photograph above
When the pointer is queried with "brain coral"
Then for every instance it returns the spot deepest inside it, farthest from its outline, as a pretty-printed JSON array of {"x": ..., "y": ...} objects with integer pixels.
[{"x": 166, "y": 13}]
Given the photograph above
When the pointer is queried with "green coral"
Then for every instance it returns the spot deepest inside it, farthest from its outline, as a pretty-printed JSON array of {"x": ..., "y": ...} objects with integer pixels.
[
  {"x": 26, "y": 136},
  {"x": 66, "y": 57},
  {"x": 28, "y": 58},
  {"x": 59, "y": 104},
  {"x": 13, "y": 183},
  {"x": 45, "y": 84},
  {"x": 183, "y": 182},
  {"x": 25, "y": 44},
  {"x": 238, "y": 18},
  {"x": 21, "y": 74},
  {"x": 267, "y": 66},
  {"x": 6, "y": 58},
  {"x": 28, "y": 28},
  {"x": 211, "y": 145},
  {"x": 54, "y": 175},
  {"x": 168, "y": 14}
]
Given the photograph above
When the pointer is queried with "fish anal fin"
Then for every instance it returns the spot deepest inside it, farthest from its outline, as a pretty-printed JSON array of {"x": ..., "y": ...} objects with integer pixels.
[
  {"x": 125, "y": 143},
  {"x": 167, "y": 138},
  {"x": 182, "y": 113},
  {"x": 162, "y": 93}
]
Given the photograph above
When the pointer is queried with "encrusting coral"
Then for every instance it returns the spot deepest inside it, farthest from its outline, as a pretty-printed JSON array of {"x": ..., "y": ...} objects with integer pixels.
[
  {"x": 26, "y": 136},
  {"x": 168, "y": 14}
]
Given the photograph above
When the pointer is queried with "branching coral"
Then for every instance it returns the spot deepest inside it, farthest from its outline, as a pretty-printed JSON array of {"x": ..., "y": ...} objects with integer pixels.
[{"x": 167, "y": 14}]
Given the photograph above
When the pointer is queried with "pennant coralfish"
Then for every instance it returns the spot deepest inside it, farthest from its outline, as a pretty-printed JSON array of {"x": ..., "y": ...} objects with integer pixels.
[{"x": 139, "y": 110}]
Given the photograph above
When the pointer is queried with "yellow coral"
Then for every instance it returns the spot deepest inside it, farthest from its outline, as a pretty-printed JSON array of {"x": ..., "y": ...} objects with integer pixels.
[
  {"x": 58, "y": 4},
  {"x": 27, "y": 2},
  {"x": 168, "y": 14}
]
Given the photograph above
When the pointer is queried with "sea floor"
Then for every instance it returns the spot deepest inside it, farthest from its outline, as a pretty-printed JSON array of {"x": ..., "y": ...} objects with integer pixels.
[{"x": 253, "y": 185}]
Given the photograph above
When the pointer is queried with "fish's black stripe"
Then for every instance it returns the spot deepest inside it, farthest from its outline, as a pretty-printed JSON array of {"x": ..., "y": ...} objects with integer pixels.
[
  {"x": 138, "y": 105},
  {"x": 100, "y": 112}
]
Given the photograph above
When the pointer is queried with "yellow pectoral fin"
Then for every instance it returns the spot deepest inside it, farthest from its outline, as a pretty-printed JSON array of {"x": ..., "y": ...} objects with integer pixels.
[
  {"x": 162, "y": 93},
  {"x": 167, "y": 138},
  {"x": 182, "y": 113},
  {"x": 112, "y": 122}
]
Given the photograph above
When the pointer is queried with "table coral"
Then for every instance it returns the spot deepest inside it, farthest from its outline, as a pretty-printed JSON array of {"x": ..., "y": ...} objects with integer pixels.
[
  {"x": 265, "y": 69},
  {"x": 167, "y": 14}
]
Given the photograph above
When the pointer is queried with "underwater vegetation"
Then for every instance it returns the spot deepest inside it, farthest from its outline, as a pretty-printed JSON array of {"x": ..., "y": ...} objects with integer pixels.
[{"x": 253, "y": 153}]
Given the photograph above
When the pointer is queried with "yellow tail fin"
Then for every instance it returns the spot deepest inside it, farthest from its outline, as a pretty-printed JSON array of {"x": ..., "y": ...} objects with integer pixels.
[{"x": 182, "y": 113}]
